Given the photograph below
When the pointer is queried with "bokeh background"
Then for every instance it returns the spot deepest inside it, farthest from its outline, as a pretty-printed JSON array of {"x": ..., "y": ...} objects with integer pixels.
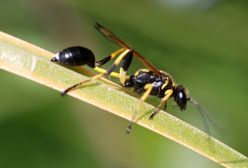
[{"x": 201, "y": 43}]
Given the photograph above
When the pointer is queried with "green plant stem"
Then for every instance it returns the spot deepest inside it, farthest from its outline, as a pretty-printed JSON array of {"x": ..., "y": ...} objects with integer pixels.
[{"x": 33, "y": 63}]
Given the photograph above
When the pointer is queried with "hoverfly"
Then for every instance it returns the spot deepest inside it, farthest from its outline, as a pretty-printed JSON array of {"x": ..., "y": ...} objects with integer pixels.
[{"x": 145, "y": 82}]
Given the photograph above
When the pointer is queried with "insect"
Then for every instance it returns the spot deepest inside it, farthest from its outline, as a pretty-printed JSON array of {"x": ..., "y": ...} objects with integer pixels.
[{"x": 145, "y": 82}]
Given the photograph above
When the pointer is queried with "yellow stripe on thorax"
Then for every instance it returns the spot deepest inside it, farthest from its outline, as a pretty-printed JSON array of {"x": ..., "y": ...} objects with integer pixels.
[{"x": 143, "y": 70}]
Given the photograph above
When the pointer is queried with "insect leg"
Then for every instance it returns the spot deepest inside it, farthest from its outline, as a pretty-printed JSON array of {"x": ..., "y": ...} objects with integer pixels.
[
  {"x": 117, "y": 61},
  {"x": 124, "y": 59},
  {"x": 125, "y": 64},
  {"x": 81, "y": 83},
  {"x": 110, "y": 57},
  {"x": 104, "y": 71},
  {"x": 148, "y": 88},
  {"x": 163, "y": 101},
  {"x": 98, "y": 69}
]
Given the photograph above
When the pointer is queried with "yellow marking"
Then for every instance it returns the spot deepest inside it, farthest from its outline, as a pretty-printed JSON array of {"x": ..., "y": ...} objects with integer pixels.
[
  {"x": 165, "y": 84},
  {"x": 165, "y": 73},
  {"x": 148, "y": 88},
  {"x": 167, "y": 93},
  {"x": 137, "y": 72},
  {"x": 122, "y": 76},
  {"x": 100, "y": 70},
  {"x": 104, "y": 71},
  {"x": 117, "y": 52},
  {"x": 121, "y": 56},
  {"x": 162, "y": 102}
]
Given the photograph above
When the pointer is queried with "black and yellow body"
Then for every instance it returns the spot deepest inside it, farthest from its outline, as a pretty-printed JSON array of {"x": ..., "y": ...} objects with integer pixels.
[
  {"x": 145, "y": 82},
  {"x": 161, "y": 86}
]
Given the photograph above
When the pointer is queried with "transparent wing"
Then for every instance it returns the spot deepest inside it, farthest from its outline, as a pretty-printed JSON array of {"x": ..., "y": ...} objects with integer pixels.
[{"x": 205, "y": 115}]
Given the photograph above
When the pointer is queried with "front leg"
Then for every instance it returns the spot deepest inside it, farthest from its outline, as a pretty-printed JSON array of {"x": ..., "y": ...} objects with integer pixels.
[
  {"x": 148, "y": 88},
  {"x": 163, "y": 103}
]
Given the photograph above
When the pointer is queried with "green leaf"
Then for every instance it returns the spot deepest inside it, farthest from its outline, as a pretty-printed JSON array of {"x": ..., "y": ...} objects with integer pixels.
[{"x": 33, "y": 63}]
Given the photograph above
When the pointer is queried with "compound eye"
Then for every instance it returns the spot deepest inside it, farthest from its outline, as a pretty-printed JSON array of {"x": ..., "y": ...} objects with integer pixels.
[
  {"x": 182, "y": 100},
  {"x": 180, "y": 97}
]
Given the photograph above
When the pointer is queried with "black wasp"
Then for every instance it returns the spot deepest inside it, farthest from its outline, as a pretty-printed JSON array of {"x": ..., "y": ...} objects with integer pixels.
[{"x": 150, "y": 81}]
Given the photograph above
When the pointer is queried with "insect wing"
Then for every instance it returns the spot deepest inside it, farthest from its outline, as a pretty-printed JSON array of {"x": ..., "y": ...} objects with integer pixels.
[{"x": 112, "y": 37}]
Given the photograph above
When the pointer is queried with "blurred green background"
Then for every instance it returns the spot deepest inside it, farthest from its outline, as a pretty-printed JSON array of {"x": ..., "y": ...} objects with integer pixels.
[{"x": 202, "y": 44}]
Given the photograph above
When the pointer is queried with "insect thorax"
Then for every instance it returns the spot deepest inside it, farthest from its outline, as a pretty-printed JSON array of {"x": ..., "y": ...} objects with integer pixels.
[{"x": 142, "y": 77}]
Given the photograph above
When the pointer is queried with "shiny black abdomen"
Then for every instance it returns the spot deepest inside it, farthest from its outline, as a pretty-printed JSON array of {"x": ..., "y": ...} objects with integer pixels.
[{"x": 75, "y": 56}]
